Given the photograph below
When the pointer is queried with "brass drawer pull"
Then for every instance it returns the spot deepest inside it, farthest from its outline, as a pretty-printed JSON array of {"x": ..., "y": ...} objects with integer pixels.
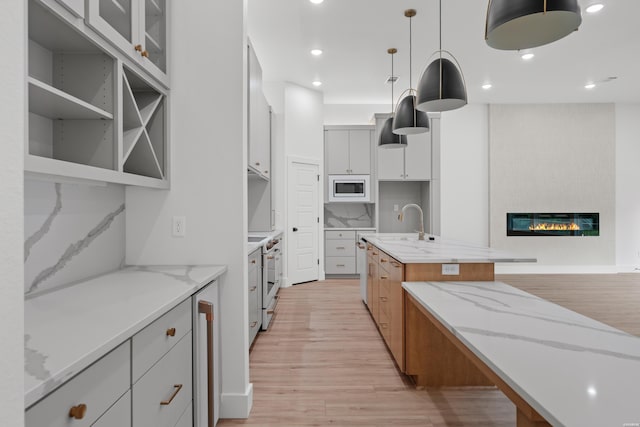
[
  {"x": 339, "y": 265},
  {"x": 253, "y": 288},
  {"x": 340, "y": 247},
  {"x": 360, "y": 245},
  {"x": 77, "y": 412},
  {"x": 138, "y": 48},
  {"x": 375, "y": 253},
  {"x": 384, "y": 325},
  {"x": 369, "y": 248},
  {"x": 253, "y": 324},
  {"x": 384, "y": 277},
  {"x": 270, "y": 257},
  {"x": 395, "y": 264},
  {"x": 177, "y": 387},
  {"x": 144, "y": 53},
  {"x": 171, "y": 332},
  {"x": 253, "y": 261},
  {"x": 383, "y": 260},
  {"x": 384, "y": 299}
]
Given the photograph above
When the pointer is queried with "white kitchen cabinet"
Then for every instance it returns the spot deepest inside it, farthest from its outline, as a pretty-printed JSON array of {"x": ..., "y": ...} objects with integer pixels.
[
  {"x": 161, "y": 396},
  {"x": 340, "y": 252},
  {"x": 412, "y": 163},
  {"x": 74, "y": 6},
  {"x": 255, "y": 293},
  {"x": 118, "y": 415},
  {"x": 138, "y": 28},
  {"x": 90, "y": 115},
  {"x": 348, "y": 151},
  {"x": 259, "y": 121},
  {"x": 87, "y": 396}
]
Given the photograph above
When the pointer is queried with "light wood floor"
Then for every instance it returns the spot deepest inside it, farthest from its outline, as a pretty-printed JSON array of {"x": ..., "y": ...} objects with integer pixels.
[{"x": 323, "y": 362}]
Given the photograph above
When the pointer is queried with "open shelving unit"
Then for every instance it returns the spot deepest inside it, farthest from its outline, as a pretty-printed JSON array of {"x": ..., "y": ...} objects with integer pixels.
[{"x": 83, "y": 121}]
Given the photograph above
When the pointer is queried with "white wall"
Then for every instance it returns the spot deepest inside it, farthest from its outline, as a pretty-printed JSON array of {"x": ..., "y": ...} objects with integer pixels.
[
  {"x": 554, "y": 158},
  {"x": 208, "y": 175},
  {"x": 12, "y": 134},
  {"x": 353, "y": 114},
  {"x": 464, "y": 169},
  {"x": 627, "y": 186}
]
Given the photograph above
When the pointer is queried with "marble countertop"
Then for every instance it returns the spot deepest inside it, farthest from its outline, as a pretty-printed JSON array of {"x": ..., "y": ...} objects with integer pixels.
[
  {"x": 573, "y": 370},
  {"x": 69, "y": 328},
  {"x": 253, "y": 246},
  {"x": 406, "y": 248},
  {"x": 326, "y": 227}
]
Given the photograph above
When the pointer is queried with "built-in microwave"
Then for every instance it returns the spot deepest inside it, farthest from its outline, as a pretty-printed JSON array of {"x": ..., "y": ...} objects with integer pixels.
[{"x": 349, "y": 188}]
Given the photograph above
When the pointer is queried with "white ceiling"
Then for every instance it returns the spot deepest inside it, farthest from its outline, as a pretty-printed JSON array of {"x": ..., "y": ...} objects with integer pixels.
[{"x": 355, "y": 35}]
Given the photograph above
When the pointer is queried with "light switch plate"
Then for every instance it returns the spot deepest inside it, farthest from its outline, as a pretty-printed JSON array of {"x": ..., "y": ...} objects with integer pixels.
[
  {"x": 179, "y": 226},
  {"x": 450, "y": 269}
]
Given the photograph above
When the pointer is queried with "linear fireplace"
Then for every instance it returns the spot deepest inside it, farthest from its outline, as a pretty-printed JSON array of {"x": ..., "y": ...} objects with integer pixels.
[{"x": 553, "y": 224}]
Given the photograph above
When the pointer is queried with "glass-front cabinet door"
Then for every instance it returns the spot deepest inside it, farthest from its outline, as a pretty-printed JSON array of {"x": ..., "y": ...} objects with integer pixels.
[{"x": 137, "y": 27}]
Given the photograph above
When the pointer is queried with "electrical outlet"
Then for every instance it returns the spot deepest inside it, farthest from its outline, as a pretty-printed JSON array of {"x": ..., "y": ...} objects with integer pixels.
[
  {"x": 450, "y": 269},
  {"x": 179, "y": 228}
]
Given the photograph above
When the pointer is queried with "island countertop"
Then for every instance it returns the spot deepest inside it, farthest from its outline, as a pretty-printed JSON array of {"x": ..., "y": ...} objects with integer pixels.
[
  {"x": 573, "y": 370},
  {"x": 406, "y": 248},
  {"x": 68, "y": 329}
]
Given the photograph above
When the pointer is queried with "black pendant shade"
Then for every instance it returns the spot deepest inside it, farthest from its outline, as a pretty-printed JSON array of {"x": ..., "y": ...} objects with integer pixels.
[
  {"x": 441, "y": 87},
  {"x": 388, "y": 139},
  {"x": 524, "y": 24},
  {"x": 408, "y": 120}
]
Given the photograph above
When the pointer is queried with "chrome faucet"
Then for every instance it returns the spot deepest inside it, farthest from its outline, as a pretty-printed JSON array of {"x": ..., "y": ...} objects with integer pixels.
[{"x": 413, "y": 205}]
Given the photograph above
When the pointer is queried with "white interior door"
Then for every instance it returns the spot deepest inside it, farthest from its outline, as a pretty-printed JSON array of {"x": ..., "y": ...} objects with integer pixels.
[{"x": 302, "y": 221}]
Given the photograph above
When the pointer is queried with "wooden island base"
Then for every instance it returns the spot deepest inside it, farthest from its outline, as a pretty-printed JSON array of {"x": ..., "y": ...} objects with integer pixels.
[{"x": 436, "y": 358}]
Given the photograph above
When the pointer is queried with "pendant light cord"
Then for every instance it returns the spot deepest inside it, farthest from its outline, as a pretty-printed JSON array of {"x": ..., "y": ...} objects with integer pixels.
[
  {"x": 393, "y": 82},
  {"x": 440, "y": 29},
  {"x": 410, "y": 53}
]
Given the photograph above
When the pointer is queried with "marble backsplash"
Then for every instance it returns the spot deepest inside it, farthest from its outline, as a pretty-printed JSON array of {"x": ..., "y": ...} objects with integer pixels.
[
  {"x": 349, "y": 215},
  {"x": 72, "y": 232}
]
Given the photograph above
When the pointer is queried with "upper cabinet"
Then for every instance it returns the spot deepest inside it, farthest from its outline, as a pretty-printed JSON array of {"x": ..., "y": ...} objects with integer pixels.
[
  {"x": 348, "y": 150},
  {"x": 412, "y": 163},
  {"x": 91, "y": 115},
  {"x": 259, "y": 161},
  {"x": 138, "y": 28}
]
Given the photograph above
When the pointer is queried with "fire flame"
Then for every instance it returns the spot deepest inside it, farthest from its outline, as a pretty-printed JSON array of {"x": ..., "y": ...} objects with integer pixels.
[{"x": 545, "y": 226}]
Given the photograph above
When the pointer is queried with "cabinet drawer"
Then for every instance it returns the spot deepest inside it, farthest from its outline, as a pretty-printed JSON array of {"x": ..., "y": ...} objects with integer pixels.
[
  {"x": 186, "y": 420},
  {"x": 340, "y": 234},
  {"x": 155, "y": 340},
  {"x": 340, "y": 265},
  {"x": 118, "y": 415},
  {"x": 385, "y": 325},
  {"x": 97, "y": 387},
  {"x": 168, "y": 381},
  {"x": 341, "y": 247}
]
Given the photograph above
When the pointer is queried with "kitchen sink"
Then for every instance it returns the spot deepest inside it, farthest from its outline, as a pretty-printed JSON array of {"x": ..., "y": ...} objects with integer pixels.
[{"x": 254, "y": 239}]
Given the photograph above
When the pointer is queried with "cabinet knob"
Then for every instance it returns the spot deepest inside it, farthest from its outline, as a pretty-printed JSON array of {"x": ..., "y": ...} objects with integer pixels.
[
  {"x": 266, "y": 171},
  {"x": 138, "y": 48},
  {"x": 171, "y": 332},
  {"x": 257, "y": 163},
  {"x": 145, "y": 53},
  {"x": 253, "y": 261},
  {"x": 383, "y": 260},
  {"x": 77, "y": 412}
]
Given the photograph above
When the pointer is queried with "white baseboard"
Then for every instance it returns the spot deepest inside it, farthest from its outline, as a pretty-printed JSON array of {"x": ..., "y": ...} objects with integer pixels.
[
  {"x": 236, "y": 405},
  {"x": 516, "y": 268}
]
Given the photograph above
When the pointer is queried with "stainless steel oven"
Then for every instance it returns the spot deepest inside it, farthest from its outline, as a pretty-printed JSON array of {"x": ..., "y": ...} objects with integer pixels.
[{"x": 271, "y": 280}]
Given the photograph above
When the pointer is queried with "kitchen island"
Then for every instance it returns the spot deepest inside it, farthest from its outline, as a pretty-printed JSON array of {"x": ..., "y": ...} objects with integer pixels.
[{"x": 396, "y": 258}]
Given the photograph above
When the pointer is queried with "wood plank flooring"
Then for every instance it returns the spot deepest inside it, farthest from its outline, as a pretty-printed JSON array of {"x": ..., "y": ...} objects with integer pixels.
[{"x": 323, "y": 362}]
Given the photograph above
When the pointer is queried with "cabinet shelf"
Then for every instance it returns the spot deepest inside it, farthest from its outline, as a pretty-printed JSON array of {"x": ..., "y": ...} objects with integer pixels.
[{"x": 47, "y": 101}]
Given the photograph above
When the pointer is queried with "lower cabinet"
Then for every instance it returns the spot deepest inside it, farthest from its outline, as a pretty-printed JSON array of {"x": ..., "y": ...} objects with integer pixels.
[
  {"x": 147, "y": 381},
  {"x": 255, "y": 294},
  {"x": 340, "y": 252},
  {"x": 384, "y": 299}
]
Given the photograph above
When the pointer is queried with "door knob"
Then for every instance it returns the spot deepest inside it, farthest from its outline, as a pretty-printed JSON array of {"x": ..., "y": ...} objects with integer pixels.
[{"x": 295, "y": 229}]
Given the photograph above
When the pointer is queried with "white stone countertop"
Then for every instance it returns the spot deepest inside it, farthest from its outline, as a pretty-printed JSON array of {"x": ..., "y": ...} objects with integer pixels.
[
  {"x": 329, "y": 228},
  {"x": 69, "y": 328},
  {"x": 266, "y": 235},
  {"x": 406, "y": 248},
  {"x": 573, "y": 370}
]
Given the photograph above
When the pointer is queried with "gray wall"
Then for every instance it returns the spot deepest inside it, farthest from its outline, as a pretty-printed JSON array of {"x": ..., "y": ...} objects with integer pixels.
[
  {"x": 400, "y": 193},
  {"x": 553, "y": 158}
]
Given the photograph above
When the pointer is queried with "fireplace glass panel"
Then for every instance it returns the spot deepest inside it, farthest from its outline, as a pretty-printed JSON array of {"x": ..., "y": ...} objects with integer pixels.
[{"x": 553, "y": 224}]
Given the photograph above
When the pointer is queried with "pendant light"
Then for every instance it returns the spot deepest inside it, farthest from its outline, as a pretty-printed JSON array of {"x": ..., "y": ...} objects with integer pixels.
[
  {"x": 408, "y": 120},
  {"x": 388, "y": 139},
  {"x": 441, "y": 87},
  {"x": 524, "y": 24}
]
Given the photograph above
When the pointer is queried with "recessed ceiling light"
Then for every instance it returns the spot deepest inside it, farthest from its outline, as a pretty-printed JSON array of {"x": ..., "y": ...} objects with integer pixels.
[
  {"x": 487, "y": 86},
  {"x": 594, "y": 8},
  {"x": 316, "y": 1},
  {"x": 527, "y": 56},
  {"x": 316, "y": 52},
  {"x": 317, "y": 83},
  {"x": 589, "y": 85}
]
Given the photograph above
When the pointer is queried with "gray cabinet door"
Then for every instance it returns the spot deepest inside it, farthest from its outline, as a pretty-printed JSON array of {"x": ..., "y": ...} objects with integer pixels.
[
  {"x": 360, "y": 152},
  {"x": 417, "y": 157},
  {"x": 391, "y": 164},
  {"x": 337, "y": 152}
]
